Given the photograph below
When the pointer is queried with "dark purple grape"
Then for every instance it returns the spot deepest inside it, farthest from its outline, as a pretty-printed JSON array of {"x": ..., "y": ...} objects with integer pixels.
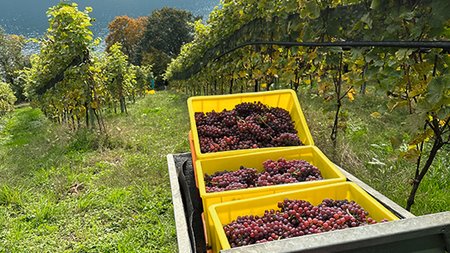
[
  {"x": 275, "y": 173},
  {"x": 253, "y": 125},
  {"x": 233, "y": 180},
  {"x": 247, "y": 108}
]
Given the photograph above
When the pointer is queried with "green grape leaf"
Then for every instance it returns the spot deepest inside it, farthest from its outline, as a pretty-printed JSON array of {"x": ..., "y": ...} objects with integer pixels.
[
  {"x": 436, "y": 90},
  {"x": 375, "y": 4},
  {"x": 410, "y": 155},
  {"x": 312, "y": 9},
  {"x": 367, "y": 20},
  {"x": 440, "y": 10}
]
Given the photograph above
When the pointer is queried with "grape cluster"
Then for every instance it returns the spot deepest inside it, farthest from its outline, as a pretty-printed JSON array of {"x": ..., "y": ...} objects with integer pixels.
[
  {"x": 285, "y": 172},
  {"x": 296, "y": 218},
  {"x": 277, "y": 172},
  {"x": 248, "y": 125},
  {"x": 233, "y": 180}
]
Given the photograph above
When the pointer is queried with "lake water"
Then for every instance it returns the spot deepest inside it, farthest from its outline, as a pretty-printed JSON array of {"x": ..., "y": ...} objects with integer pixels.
[{"x": 28, "y": 17}]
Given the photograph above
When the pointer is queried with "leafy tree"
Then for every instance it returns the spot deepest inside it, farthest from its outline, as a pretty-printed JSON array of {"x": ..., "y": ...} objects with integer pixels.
[
  {"x": 7, "y": 98},
  {"x": 167, "y": 30},
  {"x": 158, "y": 60},
  {"x": 11, "y": 61},
  {"x": 128, "y": 32}
]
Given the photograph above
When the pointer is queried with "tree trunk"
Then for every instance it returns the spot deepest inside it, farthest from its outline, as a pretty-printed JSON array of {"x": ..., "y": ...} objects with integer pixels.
[
  {"x": 437, "y": 144},
  {"x": 99, "y": 121},
  {"x": 87, "y": 114},
  {"x": 363, "y": 86},
  {"x": 297, "y": 84},
  {"x": 91, "y": 118},
  {"x": 337, "y": 86},
  {"x": 123, "y": 107},
  {"x": 231, "y": 85},
  {"x": 73, "y": 121}
]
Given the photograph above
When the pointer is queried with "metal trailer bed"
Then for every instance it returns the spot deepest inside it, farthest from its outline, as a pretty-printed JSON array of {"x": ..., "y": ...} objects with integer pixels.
[{"x": 424, "y": 234}]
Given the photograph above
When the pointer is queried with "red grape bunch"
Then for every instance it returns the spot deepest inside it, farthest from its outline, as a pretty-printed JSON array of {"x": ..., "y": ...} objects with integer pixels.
[
  {"x": 250, "y": 125},
  {"x": 274, "y": 173},
  {"x": 234, "y": 180},
  {"x": 296, "y": 218}
]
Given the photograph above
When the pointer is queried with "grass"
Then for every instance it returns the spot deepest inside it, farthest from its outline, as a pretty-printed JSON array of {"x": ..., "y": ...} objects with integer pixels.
[
  {"x": 369, "y": 147},
  {"x": 62, "y": 191},
  {"x": 83, "y": 192}
]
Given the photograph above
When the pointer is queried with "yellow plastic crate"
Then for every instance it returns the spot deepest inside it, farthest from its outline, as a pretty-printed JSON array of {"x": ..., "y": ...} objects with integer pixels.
[
  {"x": 225, "y": 213},
  {"x": 255, "y": 160},
  {"x": 286, "y": 99}
]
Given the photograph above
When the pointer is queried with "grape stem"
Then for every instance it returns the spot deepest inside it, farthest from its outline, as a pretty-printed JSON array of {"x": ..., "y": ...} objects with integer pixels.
[{"x": 349, "y": 213}]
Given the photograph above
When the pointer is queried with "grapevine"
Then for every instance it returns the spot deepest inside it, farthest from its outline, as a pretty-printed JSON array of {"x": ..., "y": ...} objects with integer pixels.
[{"x": 239, "y": 47}]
